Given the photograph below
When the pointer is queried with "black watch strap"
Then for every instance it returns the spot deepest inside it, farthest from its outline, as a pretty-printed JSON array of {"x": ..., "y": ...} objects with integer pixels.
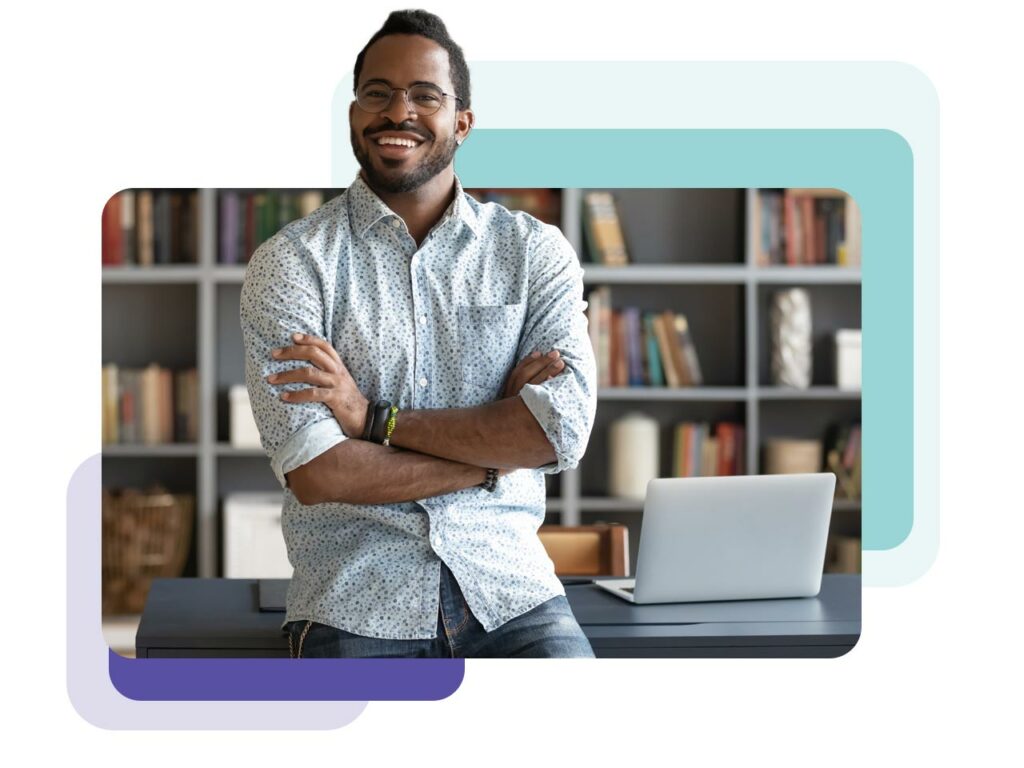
[{"x": 380, "y": 421}]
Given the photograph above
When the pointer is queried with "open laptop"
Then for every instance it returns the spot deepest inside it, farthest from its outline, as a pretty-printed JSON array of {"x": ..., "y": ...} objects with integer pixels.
[{"x": 730, "y": 538}]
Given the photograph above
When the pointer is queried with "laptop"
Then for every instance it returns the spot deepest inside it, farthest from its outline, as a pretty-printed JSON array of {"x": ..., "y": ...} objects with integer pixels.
[{"x": 742, "y": 537}]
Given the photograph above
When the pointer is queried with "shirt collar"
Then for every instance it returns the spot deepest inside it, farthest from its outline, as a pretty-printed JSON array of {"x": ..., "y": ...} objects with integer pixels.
[{"x": 365, "y": 209}]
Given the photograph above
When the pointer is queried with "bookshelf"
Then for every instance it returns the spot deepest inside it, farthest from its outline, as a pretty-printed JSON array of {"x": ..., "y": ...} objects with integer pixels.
[{"x": 690, "y": 250}]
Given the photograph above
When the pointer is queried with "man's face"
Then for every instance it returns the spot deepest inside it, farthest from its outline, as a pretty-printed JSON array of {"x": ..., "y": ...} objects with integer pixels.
[{"x": 401, "y": 61}]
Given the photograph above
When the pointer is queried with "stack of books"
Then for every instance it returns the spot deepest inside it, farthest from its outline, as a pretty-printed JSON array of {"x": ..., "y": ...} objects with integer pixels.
[
  {"x": 636, "y": 348},
  {"x": 151, "y": 406},
  {"x": 150, "y": 227},
  {"x": 246, "y": 219},
  {"x": 806, "y": 226},
  {"x": 702, "y": 451}
]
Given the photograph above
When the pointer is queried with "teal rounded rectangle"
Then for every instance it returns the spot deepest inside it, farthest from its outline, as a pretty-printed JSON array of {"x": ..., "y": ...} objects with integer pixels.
[{"x": 874, "y": 166}]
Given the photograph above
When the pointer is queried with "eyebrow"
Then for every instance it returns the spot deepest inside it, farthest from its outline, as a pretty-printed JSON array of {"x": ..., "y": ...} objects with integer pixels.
[{"x": 415, "y": 82}]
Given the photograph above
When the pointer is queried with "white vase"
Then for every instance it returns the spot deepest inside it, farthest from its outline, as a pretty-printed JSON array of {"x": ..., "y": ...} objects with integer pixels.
[{"x": 791, "y": 338}]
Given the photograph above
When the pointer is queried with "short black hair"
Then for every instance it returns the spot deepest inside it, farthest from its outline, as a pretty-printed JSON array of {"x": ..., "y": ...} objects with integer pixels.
[{"x": 419, "y": 22}]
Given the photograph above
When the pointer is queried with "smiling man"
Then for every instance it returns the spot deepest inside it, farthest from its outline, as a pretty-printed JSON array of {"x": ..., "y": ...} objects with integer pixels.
[{"x": 382, "y": 335}]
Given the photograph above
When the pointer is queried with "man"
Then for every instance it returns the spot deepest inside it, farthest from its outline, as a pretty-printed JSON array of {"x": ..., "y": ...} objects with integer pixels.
[{"x": 411, "y": 445}]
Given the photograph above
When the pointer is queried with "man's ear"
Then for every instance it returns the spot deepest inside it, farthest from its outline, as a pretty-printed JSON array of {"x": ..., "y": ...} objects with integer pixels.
[{"x": 464, "y": 120}]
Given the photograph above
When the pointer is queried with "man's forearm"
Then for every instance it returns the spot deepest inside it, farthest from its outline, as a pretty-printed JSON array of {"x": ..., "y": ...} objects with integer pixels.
[
  {"x": 503, "y": 434},
  {"x": 360, "y": 472}
]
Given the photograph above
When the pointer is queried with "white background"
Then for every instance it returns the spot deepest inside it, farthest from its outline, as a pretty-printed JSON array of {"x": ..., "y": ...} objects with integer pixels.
[{"x": 100, "y": 96}]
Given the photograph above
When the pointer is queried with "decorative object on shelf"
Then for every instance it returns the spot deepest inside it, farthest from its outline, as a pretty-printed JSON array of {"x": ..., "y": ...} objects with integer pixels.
[
  {"x": 633, "y": 454},
  {"x": 791, "y": 338},
  {"x": 848, "y": 357},
  {"x": 244, "y": 432},
  {"x": 146, "y": 536},
  {"x": 843, "y": 458},
  {"x": 788, "y": 456},
  {"x": 254, "y": 545}
]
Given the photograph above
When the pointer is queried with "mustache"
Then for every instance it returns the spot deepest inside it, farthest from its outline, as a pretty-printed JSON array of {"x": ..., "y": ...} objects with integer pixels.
[{"x": 406, "y": 127}]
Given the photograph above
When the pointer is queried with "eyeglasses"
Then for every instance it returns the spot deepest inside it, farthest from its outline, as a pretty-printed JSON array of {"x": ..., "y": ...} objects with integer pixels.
[{"x": 375, "y": 97}]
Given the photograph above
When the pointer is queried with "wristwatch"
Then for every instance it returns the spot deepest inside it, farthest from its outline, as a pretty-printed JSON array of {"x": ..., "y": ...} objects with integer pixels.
[{"x": 492, "y": 480}]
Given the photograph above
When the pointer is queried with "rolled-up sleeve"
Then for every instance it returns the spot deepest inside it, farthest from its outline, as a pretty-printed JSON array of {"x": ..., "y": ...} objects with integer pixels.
[
  {"x": 281, "y": 295},
  {"x": 565, "y": 405}
]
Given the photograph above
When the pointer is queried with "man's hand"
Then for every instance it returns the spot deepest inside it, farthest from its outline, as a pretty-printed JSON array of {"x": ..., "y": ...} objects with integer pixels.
[
  {"x": 535, "y": 369},
  {"x": 331, "y": 382}
]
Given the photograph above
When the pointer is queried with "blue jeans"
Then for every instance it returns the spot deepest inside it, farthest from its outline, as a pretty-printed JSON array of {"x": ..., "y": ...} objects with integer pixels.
[{"x": 547, "y": 631}]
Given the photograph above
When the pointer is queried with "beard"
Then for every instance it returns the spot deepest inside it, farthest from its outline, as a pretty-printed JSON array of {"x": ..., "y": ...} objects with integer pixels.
[{"x": 439, "y": 156}]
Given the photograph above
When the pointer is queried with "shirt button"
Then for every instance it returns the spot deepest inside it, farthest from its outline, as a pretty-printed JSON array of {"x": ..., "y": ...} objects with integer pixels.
[
  {"x": 423, "y": 319},
  {"x": 423, "y": 382},
  {"x": 396, "y": 223}
]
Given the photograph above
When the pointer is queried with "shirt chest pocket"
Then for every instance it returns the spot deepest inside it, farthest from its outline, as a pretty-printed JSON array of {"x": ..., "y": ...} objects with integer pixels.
[{"x": 488, "y": 340}]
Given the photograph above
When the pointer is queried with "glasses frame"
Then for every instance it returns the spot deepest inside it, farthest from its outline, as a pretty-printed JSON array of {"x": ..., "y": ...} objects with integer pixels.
[{"x": 405, "y": 98}]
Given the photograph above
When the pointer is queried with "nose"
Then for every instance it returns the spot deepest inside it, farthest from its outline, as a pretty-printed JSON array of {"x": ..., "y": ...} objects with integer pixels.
[{"x": 399, "y": 109}]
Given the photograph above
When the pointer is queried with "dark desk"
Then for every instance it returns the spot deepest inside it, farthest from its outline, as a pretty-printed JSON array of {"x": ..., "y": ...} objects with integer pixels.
[{"x": 221, "y": 618}]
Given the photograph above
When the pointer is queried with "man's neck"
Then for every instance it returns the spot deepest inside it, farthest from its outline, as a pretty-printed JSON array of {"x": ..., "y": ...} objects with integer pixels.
[{"x": 422, "y": 208}]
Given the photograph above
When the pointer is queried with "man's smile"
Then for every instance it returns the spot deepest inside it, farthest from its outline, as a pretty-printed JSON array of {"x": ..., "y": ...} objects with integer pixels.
[{"x": 395, "y": 144}]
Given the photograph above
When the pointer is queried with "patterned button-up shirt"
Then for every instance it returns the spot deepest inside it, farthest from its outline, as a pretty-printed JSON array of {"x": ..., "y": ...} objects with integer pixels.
[{"x": 438, "y": 325}]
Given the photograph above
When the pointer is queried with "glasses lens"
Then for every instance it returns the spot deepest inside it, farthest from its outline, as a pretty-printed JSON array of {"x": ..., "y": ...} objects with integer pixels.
[
  {"x": 374, "y": 97},
  {"x": 425, "y": 99}
]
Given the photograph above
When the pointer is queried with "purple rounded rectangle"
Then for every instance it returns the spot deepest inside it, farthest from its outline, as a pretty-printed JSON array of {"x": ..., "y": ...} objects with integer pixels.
[{"x": 285, "y": 679}]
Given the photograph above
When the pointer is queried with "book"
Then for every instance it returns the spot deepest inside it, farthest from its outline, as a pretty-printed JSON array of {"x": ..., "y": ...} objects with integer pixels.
[
  {"x": 848, "y": 252},
  {"x": 229, "y": 228},
  {"x": 631, "y": 317},
  {"x": 111, "y": 235},
  {"x": 669, "y": 365},
  {"x": 709, "y": 457},
  {"x": 689, "y": 351},
  {"x": 312, "y": 199},
  {"x": 144, "y": 228},
  {"x": 129, "y": 426},
  {"x": 162, "y": 227},
  {"x": 620, "y": 362},
  {"x": 603, "y": 230},
  {"x": 109, "y": 421},
  {"x": 766, "y": 224},
  {"x": 185, "y": 406},
  {"x": 656, "y": 373},
  {"x": 675, "y": 348}
]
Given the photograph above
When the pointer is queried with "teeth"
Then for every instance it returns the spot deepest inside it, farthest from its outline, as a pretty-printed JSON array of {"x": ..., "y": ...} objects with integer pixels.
[{"x": 399, "y": 142}]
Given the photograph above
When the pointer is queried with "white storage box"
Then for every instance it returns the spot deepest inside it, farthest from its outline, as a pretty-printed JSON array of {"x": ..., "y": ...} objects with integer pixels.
[
  {"x": 848, "y": 359},
  {"x": 244, "y": 433},
  {"x": 253, "y": 542}
]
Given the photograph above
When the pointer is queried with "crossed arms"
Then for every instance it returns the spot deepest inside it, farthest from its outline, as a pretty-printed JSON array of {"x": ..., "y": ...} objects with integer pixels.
[{"x": 432, "y": 452}]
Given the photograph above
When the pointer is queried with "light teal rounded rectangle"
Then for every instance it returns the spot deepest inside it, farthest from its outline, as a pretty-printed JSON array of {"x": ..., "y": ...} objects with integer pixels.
[{"x": 875, "y": 166}]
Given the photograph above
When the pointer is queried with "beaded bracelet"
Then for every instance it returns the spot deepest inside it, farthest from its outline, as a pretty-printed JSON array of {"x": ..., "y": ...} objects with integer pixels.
[{"x": 391, "y": 425}]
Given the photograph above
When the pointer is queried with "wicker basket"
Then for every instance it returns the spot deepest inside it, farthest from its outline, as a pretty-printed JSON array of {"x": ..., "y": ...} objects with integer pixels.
[{"x": 146, "y": 535}]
